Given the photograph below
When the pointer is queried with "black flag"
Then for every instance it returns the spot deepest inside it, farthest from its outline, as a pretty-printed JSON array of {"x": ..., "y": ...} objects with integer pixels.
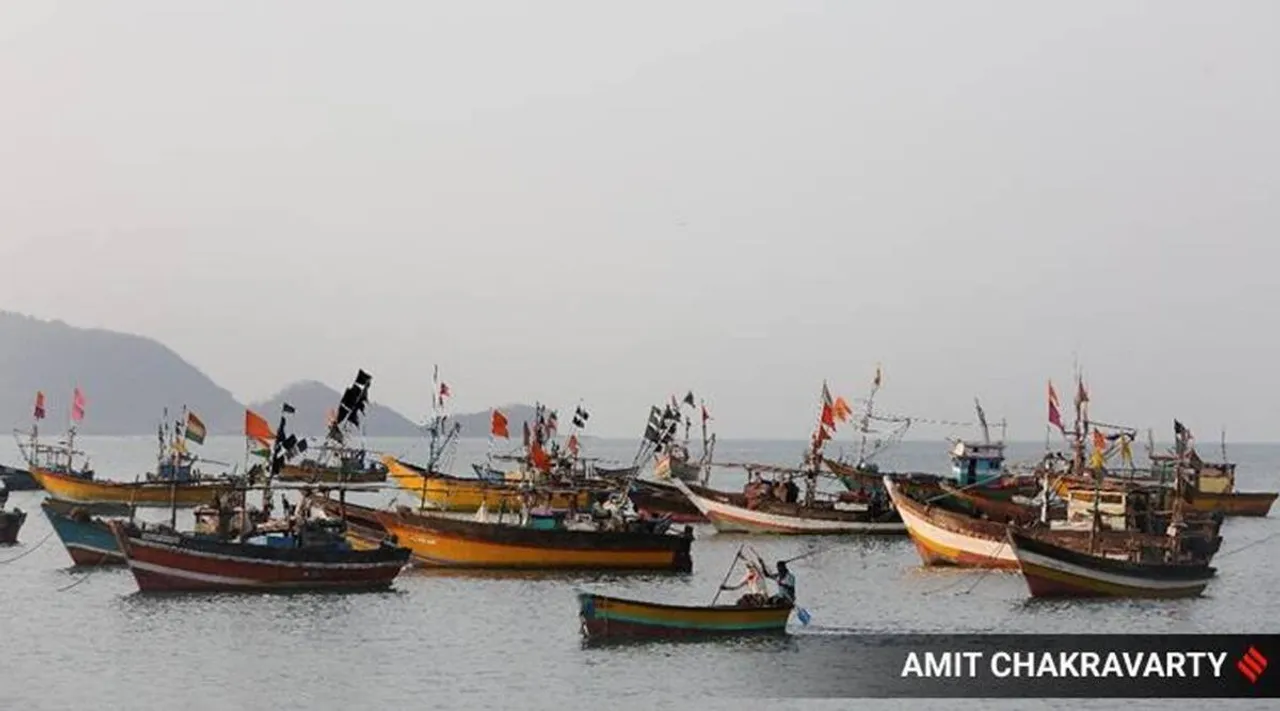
[
  {"x": 688, "y": 399},
  {"x": 288, "y": 409}
]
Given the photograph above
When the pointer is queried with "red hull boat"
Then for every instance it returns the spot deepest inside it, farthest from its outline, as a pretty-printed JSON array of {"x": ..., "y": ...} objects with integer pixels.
[{"x": 173, "y": 562}]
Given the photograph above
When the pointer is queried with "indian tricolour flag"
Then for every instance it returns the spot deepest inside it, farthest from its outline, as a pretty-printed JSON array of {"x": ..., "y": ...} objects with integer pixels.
[{"x": 195, "y": 428}]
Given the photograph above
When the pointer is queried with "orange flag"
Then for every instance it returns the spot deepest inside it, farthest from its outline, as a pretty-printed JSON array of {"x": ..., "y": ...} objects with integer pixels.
[
  {"x": 540, "y": 458},
  {"x": 257, "y": 428},
  {"x": 499, "y": 426},
  {"x": 1099, "y": 441},
  {"x": 842, "y": 410},
  {"x": 573, "y": 444}
]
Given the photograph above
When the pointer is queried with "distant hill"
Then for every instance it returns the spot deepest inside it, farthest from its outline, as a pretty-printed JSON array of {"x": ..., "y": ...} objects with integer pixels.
[
  {"x": 313, "y": 400},
  {"x": 477, "y": 424},
  {"x": 127, "y": 380}
]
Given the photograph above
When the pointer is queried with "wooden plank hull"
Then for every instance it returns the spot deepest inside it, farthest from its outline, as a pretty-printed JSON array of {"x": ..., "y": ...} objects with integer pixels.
[
  {"x": 88, "y": 541},
  {"x": 178, "y": 563},
  {"x": 730, "y": 515},
  {"x": 659, "y": 500},
  {"x": 610, "y": 618},
  {"x": 1233, "y": 504},
  {"x": 331, "y": 475},
  {"x": 86, "y": 491},
  {"x": 437, "y": 541},
  {"x": 948, "y": 538},
  {"x": 456, "y": 494},
  {"x": 1054, "y": 571}
]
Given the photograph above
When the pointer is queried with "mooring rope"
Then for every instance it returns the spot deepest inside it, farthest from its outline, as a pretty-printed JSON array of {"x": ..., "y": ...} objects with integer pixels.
[{"x": 30, "y": 550}]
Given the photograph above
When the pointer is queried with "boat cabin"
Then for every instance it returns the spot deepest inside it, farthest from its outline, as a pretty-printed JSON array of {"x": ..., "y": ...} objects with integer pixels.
[
  {"x": 1119, "y": 510},
  {"x": 975, "y": 463}
]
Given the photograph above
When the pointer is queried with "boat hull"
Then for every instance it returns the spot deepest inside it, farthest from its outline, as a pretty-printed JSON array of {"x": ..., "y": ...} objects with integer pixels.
[
  {"x": 89, "y": 542},
  {"x": 177, "y": 563},
  {"x": 730, "y": 517},
  {"x": 1054, "y": 572},
  {"x": 459, "y": 495},
  {"x": 330, "y": 475},
  {"x": 10, "y": 524},
  {"x": 663, "y": 500},
  {"x": 437, "y": 541},
  {"x": 85, "y": 491},
  {"x": 610, "y": 618},
  {"x": 947, "y": 538},
  {"x": 17, "y": 479},
  {"x": 1233, "y": 504}
]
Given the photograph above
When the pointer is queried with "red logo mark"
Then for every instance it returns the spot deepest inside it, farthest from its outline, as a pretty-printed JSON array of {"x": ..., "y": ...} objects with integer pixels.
[{"x": 1252, "y": 664}]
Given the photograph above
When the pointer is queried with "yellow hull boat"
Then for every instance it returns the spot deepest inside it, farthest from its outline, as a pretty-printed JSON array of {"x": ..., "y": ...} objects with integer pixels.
[{"x": 87, "y": 491}]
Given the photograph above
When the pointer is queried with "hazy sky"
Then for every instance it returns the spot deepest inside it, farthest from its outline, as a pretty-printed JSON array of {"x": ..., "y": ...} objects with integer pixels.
[{"x": 617, "y": 201}]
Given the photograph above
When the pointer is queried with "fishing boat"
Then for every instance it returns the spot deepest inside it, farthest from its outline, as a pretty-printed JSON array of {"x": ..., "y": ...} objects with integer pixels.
[
  {"x": 946, "y": 531},
  {"x": 608, "y": 618},
  {"x": 739, "y": 513},
  {"x": 445, "y": 492},
  {"x": 440, "y": 541},
  {"x": 292, "y": 552},
  {"x": 1162, "y": 566},
  {"x": 777, "y": 505},
  {"x": 672, "y": 458},
  {"x": 1212, "y": 486},
  {"x": 88, "y": 539},
  {"x": 336, "y": 460},
  {"x": 315, "y": 556},
  {"x": 1059, "y": 571},
  {"x": 176, "y": 481}
]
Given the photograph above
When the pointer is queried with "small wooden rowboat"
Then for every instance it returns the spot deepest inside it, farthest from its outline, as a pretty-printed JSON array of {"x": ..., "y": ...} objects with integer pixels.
[
  {"x": 439, "y": 541},
  {"x": 606, "y": 618},
  {"x": 1056, "y": 571},
  {"x": 183, "y": 494},
  {"x": 733, "y": 513}
]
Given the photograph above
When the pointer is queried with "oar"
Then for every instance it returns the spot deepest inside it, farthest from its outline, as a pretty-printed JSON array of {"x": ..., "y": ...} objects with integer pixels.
[{"x": 727, "y": 573}]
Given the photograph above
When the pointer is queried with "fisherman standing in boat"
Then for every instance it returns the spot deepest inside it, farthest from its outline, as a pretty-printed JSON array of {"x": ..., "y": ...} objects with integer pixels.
[{"x": 786, "y": 581}]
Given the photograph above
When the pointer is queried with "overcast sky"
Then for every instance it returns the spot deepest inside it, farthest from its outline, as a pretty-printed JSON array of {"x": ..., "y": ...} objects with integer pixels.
[{"x": 617, "y": 201}]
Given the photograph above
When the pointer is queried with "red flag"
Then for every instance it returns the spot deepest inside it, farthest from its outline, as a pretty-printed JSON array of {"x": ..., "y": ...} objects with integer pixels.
[
  {"x": 540, "y": 458},
  {"x": 499, "y": 426},
  {"x": 1082, "y": 395},
  {"x": 705, "y": 415},
  {"x": 444, "y": 390},
  {"x": 826, "y": 395},
  {"x": 1055, "y": 416},
  {"x": 573, "y": 444},
  {"x": 39, "y": 406},
  {"x": 77, "y": 406},
  {"x": 828, "y": 416}
]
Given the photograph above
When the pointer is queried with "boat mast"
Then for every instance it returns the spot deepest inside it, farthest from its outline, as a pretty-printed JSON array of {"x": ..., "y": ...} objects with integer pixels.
[
  {"x": 866, "y": 417},
  {"x": 982, "y": 421}
]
